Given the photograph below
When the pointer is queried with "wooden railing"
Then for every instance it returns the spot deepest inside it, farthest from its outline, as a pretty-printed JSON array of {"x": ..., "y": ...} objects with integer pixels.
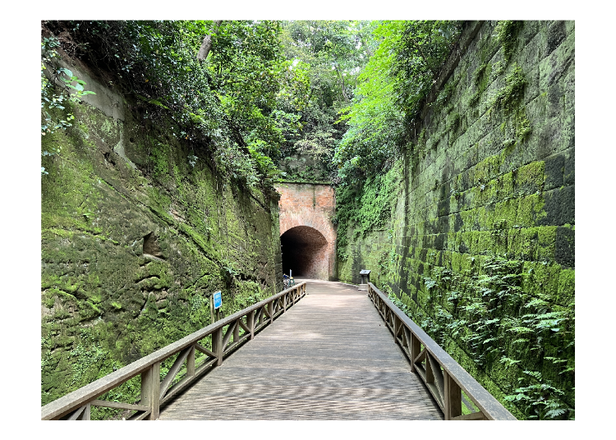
[
  {"x": 224, "y": 337},
  {"x": 450, "y": 385}
]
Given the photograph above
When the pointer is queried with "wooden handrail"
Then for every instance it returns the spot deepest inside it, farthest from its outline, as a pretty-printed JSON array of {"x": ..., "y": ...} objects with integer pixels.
[
  {"x": 444, "y": 378},
  {"x": 154, "y": 393}
]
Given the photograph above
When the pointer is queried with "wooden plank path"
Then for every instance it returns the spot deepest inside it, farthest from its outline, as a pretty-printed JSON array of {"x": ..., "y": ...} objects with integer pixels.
[{"x": 330, "y": 357}]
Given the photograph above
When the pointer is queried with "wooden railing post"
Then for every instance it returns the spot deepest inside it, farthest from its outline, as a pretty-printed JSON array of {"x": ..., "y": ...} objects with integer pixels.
[
  {"x": 190, "y": 362},
  {"x": 415, "y": 350},
  {"x": 250, "y": 321},
  {"x": 453, "y": 398},
  {"x": 217, "y": 348},
  {"x": 150, "y": 389},
  {"x": 82, "y": 413},
  {"x": 270, "y": 307},
  {"x": 236, "y": 331},
  {"x": 397, "y": 325}
]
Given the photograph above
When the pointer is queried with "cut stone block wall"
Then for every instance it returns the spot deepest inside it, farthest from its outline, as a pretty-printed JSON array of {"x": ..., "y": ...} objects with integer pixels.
[{"x": 489, "y": 182}]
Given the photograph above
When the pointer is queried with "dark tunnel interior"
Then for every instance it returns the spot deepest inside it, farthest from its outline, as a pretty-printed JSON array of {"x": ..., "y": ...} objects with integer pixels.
[{"x": 302, "y": 250}]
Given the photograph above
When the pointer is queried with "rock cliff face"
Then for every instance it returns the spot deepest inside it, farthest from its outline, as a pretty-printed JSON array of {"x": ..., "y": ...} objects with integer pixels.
[
  {"x": 480, "y": 244},
  {"x": 136, "y": 236}
]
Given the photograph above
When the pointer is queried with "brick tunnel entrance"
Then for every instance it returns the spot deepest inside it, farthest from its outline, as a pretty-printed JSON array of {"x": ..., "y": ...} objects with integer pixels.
[
  {"x": 305, "y": 252},
  {"x": 307, "y": 234}
]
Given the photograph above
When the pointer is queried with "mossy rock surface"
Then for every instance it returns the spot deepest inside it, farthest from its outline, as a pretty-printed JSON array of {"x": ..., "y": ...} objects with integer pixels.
[{"x": 134, "y": 241}]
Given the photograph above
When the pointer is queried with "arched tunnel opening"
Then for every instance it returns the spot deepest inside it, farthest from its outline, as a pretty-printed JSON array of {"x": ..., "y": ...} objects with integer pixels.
[{"x": 304, "y": 252}]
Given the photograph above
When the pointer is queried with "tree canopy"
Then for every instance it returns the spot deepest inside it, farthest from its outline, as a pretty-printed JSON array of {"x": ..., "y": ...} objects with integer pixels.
[
  {"x": 390, "y": 89},
  {"x": 251, "y": 93}
]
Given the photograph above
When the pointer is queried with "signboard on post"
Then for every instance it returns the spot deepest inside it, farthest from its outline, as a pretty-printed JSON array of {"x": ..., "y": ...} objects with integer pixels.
[
  {"x": 217, "y": 300},
  {"x": 365, "y": 278}
]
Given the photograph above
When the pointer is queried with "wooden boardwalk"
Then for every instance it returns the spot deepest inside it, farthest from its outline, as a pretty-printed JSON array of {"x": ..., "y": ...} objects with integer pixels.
[{"x": 330, "y": 357}]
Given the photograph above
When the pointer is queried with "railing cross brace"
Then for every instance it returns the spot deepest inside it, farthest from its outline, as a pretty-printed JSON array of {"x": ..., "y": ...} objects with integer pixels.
[{"x": 76, "y": 405}]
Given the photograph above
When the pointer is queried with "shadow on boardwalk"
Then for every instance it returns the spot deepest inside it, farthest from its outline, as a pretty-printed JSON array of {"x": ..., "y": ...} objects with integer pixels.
[{"x": 330, "y": 357}]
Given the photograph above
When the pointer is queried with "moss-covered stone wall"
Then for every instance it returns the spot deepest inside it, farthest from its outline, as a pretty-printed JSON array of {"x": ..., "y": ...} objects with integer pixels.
[
  {"x": 135, "y": 238},
  {"x": 480, "y": 247}
]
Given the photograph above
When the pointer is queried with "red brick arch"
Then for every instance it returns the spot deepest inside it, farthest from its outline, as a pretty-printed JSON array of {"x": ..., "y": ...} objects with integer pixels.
[{"x": 306, "y": 227}]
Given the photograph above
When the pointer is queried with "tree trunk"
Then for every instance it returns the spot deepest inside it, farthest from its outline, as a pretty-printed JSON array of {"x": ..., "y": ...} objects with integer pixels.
[{"x": 206, "y": 46}]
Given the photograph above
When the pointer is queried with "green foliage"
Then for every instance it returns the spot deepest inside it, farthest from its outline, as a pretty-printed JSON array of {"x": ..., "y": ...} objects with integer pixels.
[
  {"x": 389, "y": 93},
  {"x": 423, "y": 48},
  {"x": 263, "y": 162},
  {"x": 220, "y": 106},
  {"x": 513, "y": 92},
  {"x": 333, "y": 51},
  {"x": 506, "y": 34},
  {"x": 499, "y": 326},
  {"x": 375, "y": 121},
  {"x": 367, "y": 207},
  {"x": 540, "y": 400},
  {"x": 398, "y": 303},
  {"x": 59, "y": 87},
  {"x": 277, "y": 85},
  {"x": 510, "y": 99},
  {"x": 326, "y": 56}
]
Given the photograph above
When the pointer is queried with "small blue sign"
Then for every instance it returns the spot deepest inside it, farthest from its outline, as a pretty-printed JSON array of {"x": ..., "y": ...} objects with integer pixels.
[{"x": 217, "y": 300}]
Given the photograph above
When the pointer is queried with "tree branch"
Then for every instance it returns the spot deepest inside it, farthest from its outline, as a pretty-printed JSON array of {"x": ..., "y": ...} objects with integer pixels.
[{"x": 342, "y": 85}]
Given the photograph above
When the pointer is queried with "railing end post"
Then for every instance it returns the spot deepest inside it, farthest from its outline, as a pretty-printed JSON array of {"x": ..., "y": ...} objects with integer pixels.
[{"x": 150, "y": 389}]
